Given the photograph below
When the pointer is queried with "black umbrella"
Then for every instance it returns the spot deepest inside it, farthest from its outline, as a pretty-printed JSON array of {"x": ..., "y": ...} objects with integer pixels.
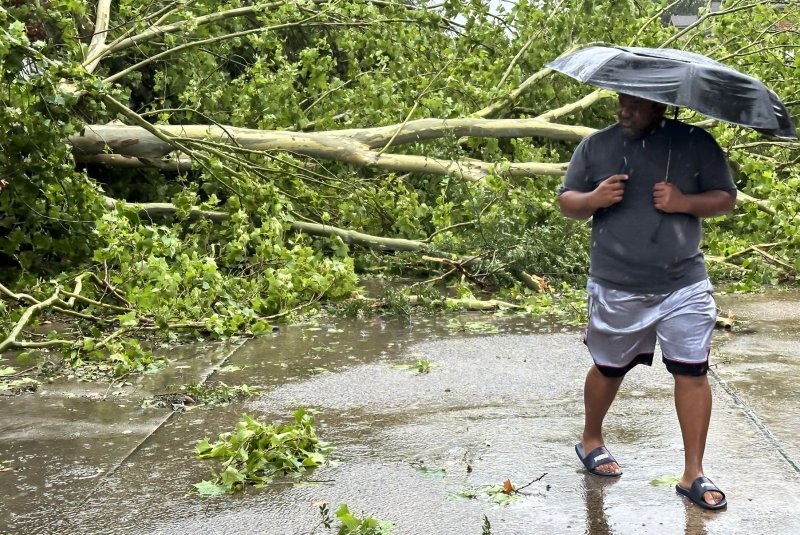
[{"x": 682, "y": 79}]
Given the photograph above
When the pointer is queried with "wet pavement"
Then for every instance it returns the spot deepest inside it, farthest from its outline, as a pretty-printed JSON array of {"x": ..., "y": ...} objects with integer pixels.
[{"x": 502, "y": 401}]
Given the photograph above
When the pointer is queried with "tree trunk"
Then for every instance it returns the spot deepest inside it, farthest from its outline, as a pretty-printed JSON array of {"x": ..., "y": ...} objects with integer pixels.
[{"x": 353, "y": 146}]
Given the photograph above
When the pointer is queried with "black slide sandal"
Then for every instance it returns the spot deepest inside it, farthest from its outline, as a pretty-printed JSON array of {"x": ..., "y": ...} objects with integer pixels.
[
  {"x": 700, "y": 486},
  {"x": 595, "y": 458}
]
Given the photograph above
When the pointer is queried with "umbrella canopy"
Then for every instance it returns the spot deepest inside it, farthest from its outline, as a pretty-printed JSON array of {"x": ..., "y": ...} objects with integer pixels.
[{"x": 684, "y": 79}]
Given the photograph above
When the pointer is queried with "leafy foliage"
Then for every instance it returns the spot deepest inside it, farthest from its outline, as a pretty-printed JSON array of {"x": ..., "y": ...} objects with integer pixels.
[
  {"x": 366, "y": 525},
  {"x": 352, "y": 524},
  {"x": 503, "y": 494},
  {"x": 496, "y": 494},
  {"x": 473, "y": 327},
  {"x": 418, "y": 367},
  {"x": 116, "y": 360},
  {"x": 255, "y": 453},
  {"x": 184, "y": 397},
  {"x": 18, "y": 386}
]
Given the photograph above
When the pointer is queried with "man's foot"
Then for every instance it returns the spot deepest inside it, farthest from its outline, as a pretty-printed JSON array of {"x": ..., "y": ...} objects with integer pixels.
[
  {"x": 599, "y": 461},
  {"x": 703, "y": 492}
]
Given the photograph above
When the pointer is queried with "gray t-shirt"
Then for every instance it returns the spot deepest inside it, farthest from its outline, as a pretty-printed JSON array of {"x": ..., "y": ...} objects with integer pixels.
[{"x": 634, "y": 246}]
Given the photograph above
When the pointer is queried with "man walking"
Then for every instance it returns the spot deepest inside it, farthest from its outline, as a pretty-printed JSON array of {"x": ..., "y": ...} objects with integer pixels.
[{"x": 646, "y": 182}]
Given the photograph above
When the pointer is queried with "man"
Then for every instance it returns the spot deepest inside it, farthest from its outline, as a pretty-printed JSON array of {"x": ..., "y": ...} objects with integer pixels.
[{"x": 646, "y": 182}]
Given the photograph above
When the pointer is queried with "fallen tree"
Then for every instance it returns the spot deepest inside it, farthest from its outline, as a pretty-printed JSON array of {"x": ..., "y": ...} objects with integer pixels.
[{"x": 355, "y": 147}]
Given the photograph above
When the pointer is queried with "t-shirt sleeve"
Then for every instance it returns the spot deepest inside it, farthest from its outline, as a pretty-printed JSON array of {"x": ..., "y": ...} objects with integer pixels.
[
  {"x": 578, "y": 177},
  {"x": 715, "y": 173}
]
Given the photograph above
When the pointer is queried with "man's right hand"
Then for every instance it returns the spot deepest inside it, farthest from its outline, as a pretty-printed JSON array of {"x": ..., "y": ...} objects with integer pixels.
[
  {"x": 582, "y": 205},
  {"x": 609, "y": 191}
]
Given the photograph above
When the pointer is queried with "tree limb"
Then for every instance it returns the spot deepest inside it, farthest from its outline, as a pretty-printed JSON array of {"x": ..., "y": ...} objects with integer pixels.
[
  {"x": 498, "y": 106},
  {"x": 103, "y": 16},
  {"x": 160, "y": 209},
  {"x": 759, "y": 249},
  {"x": 192, "y": 44},
  {"x": 792, "y": 145},
  {"x": 503, "y": 103},
  {"x": 578, "y": 105},
  {"x": 760, "y": 204},
  {"x": 359, "y": 238},
  {"x": 43, "y": 344},
  {"x": 158, "y": 31},
  {"x": 459, "y": 265},
  {"x": 314, "y": 229},
  {"x": 425, "y": 129},
  {"x": 354, "y": 146},
  {"x": 11, "y": 339},
  {"x": 75, "y": 293},
  {"x": 468, "y": 304},
  {"x": 175, "y": 165},
  {"x": 721, "y": 260}
]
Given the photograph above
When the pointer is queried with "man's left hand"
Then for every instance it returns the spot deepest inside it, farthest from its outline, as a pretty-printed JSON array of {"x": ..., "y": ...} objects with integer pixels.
[{"x": 668, "y": 198}]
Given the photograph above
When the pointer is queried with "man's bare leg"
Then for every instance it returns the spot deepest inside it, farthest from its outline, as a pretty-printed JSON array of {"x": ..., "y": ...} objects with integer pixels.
[
  {"x": 599, "y": 392},
  {"x": 693, "y": 404}
]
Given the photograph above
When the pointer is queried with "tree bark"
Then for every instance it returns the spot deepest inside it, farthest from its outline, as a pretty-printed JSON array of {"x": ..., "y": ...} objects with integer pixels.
[
  {"x": 102, "y": 18},
  {"x": 354, "y": 146}
]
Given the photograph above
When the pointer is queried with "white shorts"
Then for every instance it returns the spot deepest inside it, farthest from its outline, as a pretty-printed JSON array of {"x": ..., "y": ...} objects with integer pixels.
[{"x": 624, "y": 326}]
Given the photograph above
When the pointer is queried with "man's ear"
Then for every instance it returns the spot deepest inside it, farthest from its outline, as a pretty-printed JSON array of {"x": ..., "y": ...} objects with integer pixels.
[{"x": 659, "y": 108}]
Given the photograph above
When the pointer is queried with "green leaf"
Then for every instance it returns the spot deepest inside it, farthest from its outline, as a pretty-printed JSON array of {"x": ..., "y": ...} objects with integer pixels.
[
  {"x": 436, "y": 472},
  {"x": 203, "y": 446},
  {"x": 209, "y": 488},
  {"x": 665, "y": 481},
  {"x": 128, "y": 319},
  {"x": 346, "y": 517}
]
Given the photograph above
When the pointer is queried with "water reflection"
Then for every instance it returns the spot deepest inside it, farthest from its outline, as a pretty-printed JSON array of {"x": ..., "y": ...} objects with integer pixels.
[
  {"x": 594, "y": 490},
  {"x": 597, "y": 520},
  {"x": 695, "y": 519}
]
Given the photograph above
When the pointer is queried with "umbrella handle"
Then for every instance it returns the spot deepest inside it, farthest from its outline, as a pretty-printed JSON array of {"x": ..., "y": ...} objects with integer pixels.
[
  {"x": 654, "y": 236},
  {"x": 669, "y": 159},
  {"x": 666, "y": 179}
]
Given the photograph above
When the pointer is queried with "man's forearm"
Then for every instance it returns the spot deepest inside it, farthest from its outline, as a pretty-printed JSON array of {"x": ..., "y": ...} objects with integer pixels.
[
  {"x": 710, "y": 203},
  {"x": 576, "y": 204}
]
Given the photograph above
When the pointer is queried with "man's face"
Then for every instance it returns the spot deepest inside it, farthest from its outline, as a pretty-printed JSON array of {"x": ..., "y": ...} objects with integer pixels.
[{"x": 637, "y": 115}]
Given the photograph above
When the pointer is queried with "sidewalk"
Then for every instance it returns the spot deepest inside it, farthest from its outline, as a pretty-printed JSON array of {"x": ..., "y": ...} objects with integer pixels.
[{"x": 505, "y": 406}]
